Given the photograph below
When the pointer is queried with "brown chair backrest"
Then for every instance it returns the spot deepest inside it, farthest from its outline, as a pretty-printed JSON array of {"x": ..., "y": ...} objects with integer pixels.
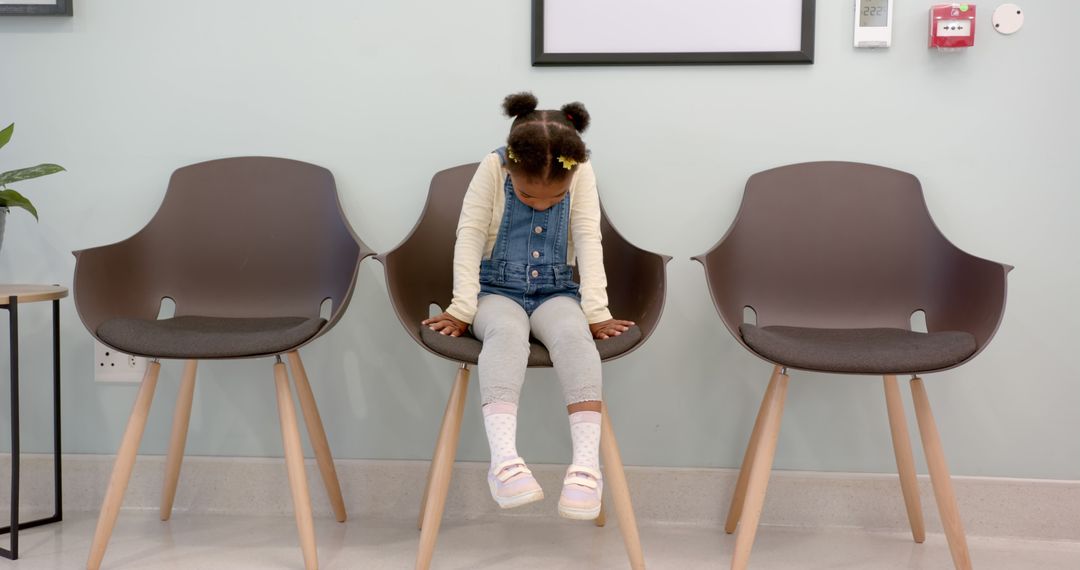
[
  {"x": 419, "y": 271},
  {"x": 848, "y": 245},
  {"x": 236, "y": 237}
]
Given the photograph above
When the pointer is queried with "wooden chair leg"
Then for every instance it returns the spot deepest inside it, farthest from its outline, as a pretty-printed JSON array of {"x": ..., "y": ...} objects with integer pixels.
[
  {"x": 442, "y": 467},
  {"x": 615, "y": 480},
  {"x": 441, "y": 445},
  {"x": 739, "y": 496},
  {"x": 905, "y": 462},
  {"x": 759, "y": 474},
  {"x": 181, "y": 418},
  {"x": 939, "y": 477},
  {"x": 427, "y": 486},
  {"x": 294, "y": 464},
  {"x": 601, "y": 519},
  {"x": 317, "y": 435},
  {"x": 125, "y": 461}
]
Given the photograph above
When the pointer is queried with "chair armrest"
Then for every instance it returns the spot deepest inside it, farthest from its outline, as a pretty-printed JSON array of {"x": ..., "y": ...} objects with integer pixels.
[
  {"x": 343, "y": 295},
  {"x": 725, "y": 285},
  {"x": 968, "y": 294},
  {"x": 413, "y": 286},
  {"x": 637, "y": 281},
  {"x": 111, "y": 281}
]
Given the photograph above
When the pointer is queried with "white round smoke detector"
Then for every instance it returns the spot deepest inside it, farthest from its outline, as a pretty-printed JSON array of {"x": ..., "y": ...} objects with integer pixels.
[{"x": 1008, "y": 18}]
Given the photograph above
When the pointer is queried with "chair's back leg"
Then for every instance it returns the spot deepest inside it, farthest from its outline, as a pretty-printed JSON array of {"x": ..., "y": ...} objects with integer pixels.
[
  {"x": 739, "y": 496},
  {"x": 178, "y": 439},
  {"x": 759, "y": 474},
  {"x": 442, "y": 467},
  {"x": 317, "y": 435},
  {"x": 905, "y": 462},
  {"x": 294, "y": 464},
  {"x": 615, "y": 480},
  {"x": 939, "y": 477},
  {"x": 125, "y": 461}
]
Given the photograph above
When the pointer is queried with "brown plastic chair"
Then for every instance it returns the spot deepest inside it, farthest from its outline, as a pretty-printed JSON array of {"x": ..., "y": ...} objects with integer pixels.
[
  {"x": 248, "y": 249},
  {"x": 419, "y": 273},
  {"x": 834, "y": 259}
]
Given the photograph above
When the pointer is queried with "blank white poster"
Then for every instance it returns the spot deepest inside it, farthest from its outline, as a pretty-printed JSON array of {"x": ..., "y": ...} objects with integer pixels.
[{"x": 671, "y": 26}]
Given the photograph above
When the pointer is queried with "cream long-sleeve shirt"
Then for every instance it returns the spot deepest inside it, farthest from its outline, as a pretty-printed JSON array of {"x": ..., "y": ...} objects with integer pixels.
[{"x": 478, "y": 228}]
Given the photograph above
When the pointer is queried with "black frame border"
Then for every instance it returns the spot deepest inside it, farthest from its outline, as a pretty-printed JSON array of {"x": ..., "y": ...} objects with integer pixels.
[
  {"x": 60, "y": 8},
  {"x": 805, "y": 54}
]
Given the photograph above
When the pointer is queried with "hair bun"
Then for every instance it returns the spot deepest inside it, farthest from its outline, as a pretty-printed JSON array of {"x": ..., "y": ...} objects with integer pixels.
[
  {"x": 577, "y": 114},
  {"x": 518, "y": 104}
]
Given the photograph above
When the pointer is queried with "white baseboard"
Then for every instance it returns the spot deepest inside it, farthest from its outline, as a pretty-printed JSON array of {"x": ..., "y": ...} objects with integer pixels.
[{"x": 993, "y": 507}]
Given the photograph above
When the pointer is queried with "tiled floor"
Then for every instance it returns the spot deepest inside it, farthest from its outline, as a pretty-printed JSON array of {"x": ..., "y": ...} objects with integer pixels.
[{"x": 202, "y": 542}]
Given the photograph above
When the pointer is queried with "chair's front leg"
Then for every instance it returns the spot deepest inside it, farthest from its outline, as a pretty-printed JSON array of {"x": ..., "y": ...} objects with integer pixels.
[
  {"x": 125, "y": 462},
  {"x": 294, "y": 464},
  {"x": 615, "y": 480},
  {"x": 317, "y": 435},
  {"x": 442, "y": 467},
  {"x": 905, "y": 462},
  {"x": 759, "y": 474},
  {"x": 427, "y": 486},
  {"x": 441, "y": 444},
  {"x": 738, "y": 497},
  {"x": 181, "y": 419},
  {"x": 939, "y": 477},
  {"x": 451, "y": 414}
]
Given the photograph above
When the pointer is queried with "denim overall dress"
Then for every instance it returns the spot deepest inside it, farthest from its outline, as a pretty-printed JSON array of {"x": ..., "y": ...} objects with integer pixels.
[{"x": 528, "y": 261}]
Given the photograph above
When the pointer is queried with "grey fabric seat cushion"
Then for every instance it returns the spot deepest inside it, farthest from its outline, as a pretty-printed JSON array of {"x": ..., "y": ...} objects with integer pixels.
[
  {"x": 466, "y": 348},
  {"x": 859, "y": 351},
  {"x": 208, "y": 337}
]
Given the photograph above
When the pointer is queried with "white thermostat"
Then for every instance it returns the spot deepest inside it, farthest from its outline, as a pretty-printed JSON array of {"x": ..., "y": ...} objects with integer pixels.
[{"x": 873, "y": 23}]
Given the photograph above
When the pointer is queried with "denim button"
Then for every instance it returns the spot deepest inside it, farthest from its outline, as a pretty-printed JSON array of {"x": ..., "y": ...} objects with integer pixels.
[
  {"x": 538, "y": 230},
  {"x": 536, "y": 255},
  {"x": 535, "y": 273}
]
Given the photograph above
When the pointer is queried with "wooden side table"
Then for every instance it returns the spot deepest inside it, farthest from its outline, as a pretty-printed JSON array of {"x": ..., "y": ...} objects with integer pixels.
[{"x": 11, "y": 296}]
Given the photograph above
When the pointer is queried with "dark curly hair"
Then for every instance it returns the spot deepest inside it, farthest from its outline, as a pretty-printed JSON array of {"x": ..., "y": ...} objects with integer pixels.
[{"x": 545, "y": 145}]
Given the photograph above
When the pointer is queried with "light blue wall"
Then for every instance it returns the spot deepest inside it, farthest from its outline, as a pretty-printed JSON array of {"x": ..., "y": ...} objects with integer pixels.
[{"x": 386, "y": 93}]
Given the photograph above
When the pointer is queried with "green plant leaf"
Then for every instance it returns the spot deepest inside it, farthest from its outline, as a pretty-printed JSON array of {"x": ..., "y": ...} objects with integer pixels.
[
  {"x": 28, "y": 173},
  {"x": 5, "y": 135},
  {"x": 12, "y": 199}
]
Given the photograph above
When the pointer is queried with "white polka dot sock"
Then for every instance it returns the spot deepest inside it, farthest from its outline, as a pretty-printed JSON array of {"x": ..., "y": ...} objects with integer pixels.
[
  {"x": 500, "y": 422},
  {"x": 585, "y": 435}
]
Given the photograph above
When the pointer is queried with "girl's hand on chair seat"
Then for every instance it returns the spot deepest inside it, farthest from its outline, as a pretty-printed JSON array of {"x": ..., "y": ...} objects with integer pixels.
[
  {"x": 446, "y": 324},
  {"x": 610, "y": 328}
]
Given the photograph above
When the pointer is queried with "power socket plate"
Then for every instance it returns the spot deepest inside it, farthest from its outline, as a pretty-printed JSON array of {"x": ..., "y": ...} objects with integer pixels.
[{"x": 116, "y": 367}]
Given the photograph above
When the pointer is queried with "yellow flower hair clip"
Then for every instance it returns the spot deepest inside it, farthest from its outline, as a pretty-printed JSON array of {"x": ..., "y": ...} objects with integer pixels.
[
  {"x": 510, "y": 154},
  {"x": 566, "y": 162}
]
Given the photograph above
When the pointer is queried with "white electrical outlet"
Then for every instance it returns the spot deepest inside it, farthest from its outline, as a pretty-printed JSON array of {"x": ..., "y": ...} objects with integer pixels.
[{"x": 114, "y": 366}]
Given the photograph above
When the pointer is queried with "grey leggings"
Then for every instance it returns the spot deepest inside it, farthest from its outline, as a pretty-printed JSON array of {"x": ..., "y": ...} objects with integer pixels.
[{"x": 559, "y": 324}]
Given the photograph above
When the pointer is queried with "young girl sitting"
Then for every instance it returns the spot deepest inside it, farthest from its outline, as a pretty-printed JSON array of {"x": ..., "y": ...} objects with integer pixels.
[{"x": 530, "y": 211}]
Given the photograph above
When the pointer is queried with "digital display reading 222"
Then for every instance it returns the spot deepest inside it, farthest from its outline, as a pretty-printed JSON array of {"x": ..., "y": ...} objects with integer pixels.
[{"x": 874, "y": 13}]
